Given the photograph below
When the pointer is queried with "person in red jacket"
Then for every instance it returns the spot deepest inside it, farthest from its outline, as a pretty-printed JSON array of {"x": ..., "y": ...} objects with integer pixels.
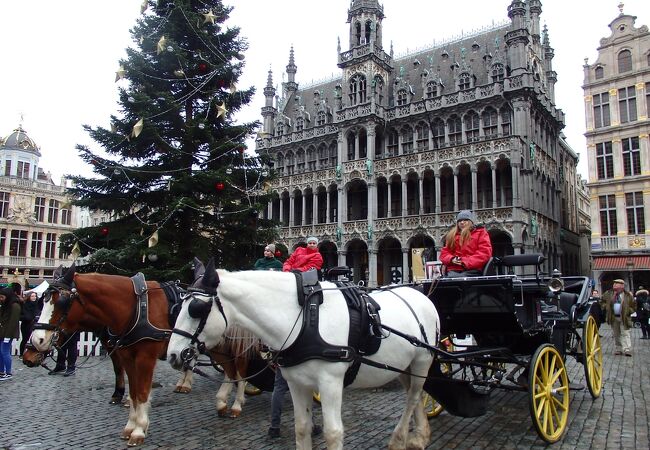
[
  {"x": 304, "y": 258},
  {"x": 467, "y": 247}
]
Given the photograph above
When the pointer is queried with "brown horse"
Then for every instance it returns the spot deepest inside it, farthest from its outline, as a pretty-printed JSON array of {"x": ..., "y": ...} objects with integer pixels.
[{"x": 110, "y": 300}]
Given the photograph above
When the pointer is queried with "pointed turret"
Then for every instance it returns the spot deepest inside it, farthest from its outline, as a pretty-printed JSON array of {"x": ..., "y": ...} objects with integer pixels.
[
  {"x": 518, "y": 37},
  {"x": 291, "y": 85},
  {"x": 549, "y": 53},
  {"x": 268, "y": 111}
]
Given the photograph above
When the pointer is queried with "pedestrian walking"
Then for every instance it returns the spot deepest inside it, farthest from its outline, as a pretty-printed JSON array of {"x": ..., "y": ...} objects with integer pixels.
[
  {"x": 643, "y": 311},
  {"x": 619, "y": 305},
  {"x": 9, "y": 317}
]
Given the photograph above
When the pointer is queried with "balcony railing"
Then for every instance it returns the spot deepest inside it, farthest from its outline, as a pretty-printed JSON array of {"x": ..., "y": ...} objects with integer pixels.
[{"x": 610, "y": 243}]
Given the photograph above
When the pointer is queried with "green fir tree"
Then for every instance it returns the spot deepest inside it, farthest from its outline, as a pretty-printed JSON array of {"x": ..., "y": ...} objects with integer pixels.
[{"x": 174, "y": 167}]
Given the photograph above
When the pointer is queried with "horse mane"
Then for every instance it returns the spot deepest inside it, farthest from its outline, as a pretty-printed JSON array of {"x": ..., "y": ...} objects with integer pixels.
[{"x": 241, "y": 342}]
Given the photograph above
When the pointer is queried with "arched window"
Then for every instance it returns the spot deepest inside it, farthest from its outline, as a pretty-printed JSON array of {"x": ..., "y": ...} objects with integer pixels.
[
  {"x": 505, "y": 121},
  {"x": 464, "y": 82},
  {"x": 279, "y": 129},
  {"x": 300, "y": 124},
  {"x": 471, "y": 126},
  {"x": 321, "y": 118},
  {"x": 455, "y": 130},
  {"x": 624, "y": 61},
  {"x": 402, "y": 98},
  {"x": 438, "y": 130},
  {"x": 407, "y": 140},
  {"x": 498, "y": 73},
  {"x": 432, "y": 89},
  {"x": 378, "y": 86},
  {"x": 357, "y": 89},
  {"x": 357, "y": 36},
  {"x": 393, "y": 143},
  {"x": 490, "y": 118},
  {"x": 422, "y": 135},
  {"x": 599, "y": 72}
]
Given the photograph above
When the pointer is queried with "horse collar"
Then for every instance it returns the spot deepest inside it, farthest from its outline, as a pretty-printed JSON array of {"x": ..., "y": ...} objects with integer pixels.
[{"x": 141, "y": 327}]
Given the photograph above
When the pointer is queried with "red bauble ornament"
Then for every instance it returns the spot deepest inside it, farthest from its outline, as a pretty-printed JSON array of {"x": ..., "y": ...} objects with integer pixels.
[
  {"x": 104, "y": 231},
  {"x": 221, "y": 84},
  {"x": 241, "y": 150},
  {"x": 219, "y": 186},
  {"x": 203, "y": 68},
  {"x": 278, "y": 253}
]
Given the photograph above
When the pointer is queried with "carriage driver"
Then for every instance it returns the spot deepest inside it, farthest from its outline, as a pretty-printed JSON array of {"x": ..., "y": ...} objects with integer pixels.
[{"x": 467, "y": 247}]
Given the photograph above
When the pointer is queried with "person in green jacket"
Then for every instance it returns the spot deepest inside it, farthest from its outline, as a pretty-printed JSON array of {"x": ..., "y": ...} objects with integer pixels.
[
  {"x": 9, "y": 315},
  {"x": 269, "y": 261},
  {"x": 618, "y": 305}
]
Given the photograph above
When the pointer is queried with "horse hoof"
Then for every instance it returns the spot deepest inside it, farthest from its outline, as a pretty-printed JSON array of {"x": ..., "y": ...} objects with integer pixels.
[
  {"x": 115, "y": 401},
  {"x": 234, "y": 414},
  {"x": 135, "y": 441},
  {"x": 126, "y": 435},
  {"x": 223, "y": 412}
]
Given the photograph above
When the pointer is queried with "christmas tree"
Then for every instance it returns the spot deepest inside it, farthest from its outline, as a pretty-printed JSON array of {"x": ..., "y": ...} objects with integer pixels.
[{"x": 174, "y": 174}]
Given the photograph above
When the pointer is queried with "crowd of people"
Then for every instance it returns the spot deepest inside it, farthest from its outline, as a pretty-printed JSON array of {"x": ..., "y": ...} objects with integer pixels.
[{"x": 18, "y": 313}]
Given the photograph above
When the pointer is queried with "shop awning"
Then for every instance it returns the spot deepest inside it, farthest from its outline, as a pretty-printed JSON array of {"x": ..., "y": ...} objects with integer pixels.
[{"x": 622, "y": 263}]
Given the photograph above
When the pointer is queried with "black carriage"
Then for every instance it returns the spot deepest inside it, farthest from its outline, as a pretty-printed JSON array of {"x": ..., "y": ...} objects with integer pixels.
[{"x": 516, "y": 332}]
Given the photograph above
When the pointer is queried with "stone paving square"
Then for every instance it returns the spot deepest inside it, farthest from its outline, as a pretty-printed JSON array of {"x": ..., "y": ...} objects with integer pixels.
[{"x": 53, "y": 412}]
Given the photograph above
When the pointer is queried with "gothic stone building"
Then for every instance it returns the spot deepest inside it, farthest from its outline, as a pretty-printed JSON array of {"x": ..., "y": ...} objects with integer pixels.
[{"x": 377, "y": 162}]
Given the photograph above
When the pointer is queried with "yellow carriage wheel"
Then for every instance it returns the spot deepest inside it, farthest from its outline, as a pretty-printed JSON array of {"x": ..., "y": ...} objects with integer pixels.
[
  {"x": 549, "y": 393},
  {"x": 593, "y": 357},
  {"x": 431, "y": 407}
]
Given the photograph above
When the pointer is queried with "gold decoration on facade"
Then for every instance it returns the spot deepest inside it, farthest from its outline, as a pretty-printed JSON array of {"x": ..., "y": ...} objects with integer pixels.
[{"x": 637, "y": 242}]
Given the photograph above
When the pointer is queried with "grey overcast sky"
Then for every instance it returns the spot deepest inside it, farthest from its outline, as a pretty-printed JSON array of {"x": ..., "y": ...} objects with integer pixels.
[{"x": 59, "y": 58}]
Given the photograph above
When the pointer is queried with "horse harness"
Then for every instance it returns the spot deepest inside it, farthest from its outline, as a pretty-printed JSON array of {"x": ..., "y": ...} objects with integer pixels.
[
  {"x": 365, "y": 331},
  {"x": 141, "y": 328}
]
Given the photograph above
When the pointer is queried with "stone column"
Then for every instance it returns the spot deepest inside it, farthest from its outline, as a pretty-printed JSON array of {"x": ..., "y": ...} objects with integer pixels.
[
  {"x": 356, "y": 146},
  {"x": 292, "y": 209},
  {"x": 436, "y": 176},
  {"x": 314, "y": 207},
  {"x": 303, "y": 219},
  {"x": 420, "y": 209},
  {"x": 372, "y": 267},
  {"x": 328, "y": 214},
  {"x": 456, "y": 190},
  {"x": 405, "y": 265},
  {"x": 389, "y": 211},
  {"x": 281, "y": 218},
  {"x": 404, "y": 197},
  {"x": 493, "y": 172},
  {"x": 474, "y": 172}
]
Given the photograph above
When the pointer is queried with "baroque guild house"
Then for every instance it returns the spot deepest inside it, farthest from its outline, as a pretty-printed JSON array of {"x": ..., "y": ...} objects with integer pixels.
[
  {"x": 34, "y": 213},
  {"x": 377, "y": 162}
]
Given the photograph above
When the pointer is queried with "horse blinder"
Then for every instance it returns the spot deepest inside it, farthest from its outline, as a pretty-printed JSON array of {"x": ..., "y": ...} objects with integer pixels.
[{"x": 198, "y": 309}]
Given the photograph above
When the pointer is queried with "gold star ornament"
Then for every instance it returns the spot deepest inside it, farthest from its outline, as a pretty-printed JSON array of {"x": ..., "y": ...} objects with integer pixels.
[
  {"x": 120, "y": 74},
  {"x": 160, "y": 47},
  {"x": 209, "y": 17},
  {"x": 221, "y": 110}
]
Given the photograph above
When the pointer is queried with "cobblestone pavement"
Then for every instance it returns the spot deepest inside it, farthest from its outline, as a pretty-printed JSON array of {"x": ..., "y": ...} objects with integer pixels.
[{"x": 53, "y": 412}]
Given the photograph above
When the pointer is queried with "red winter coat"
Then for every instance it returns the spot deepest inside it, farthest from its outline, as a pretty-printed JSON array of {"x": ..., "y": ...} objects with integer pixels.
[
  {"x": 303, "y": 259},
  {"x": 475, "y": 253}
]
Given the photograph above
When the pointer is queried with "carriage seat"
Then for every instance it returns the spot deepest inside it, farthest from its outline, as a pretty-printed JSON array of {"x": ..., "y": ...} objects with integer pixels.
[
  {"x": 335, "y": 272},
  {"x": 494, "y": 265}
]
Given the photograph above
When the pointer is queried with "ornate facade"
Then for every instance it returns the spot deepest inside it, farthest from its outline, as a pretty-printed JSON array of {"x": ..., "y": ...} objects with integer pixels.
[
  {"x": 377, "y": 162},
  {"x": 617, "y": 103},
  {"x": 34, "y": 212}
]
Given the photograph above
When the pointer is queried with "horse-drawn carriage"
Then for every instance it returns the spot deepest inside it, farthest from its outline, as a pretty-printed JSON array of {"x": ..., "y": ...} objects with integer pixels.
[{"x": 521, "y": 329}]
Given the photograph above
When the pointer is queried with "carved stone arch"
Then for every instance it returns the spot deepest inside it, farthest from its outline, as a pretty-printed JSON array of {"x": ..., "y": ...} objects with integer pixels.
[{"x": 355, "y": 174}]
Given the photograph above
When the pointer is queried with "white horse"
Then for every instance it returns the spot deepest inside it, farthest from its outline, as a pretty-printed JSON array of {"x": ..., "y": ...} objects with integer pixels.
[{"x": 266, "y": 303}]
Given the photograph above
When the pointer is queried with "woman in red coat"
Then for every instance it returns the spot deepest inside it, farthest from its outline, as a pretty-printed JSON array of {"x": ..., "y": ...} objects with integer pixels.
[
  {"x": 305, "y": 258},
  {"x": 467, "y": 247}
]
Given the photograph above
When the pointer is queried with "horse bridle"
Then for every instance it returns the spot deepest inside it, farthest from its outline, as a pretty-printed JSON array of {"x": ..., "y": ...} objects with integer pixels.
[
  {"x": 198, "y": 309},
  {"x": 67, "y": 294}
]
